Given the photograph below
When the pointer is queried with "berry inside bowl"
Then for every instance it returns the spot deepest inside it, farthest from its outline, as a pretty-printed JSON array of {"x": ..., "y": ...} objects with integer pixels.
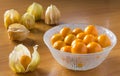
[{"x": 80, "y": 62}]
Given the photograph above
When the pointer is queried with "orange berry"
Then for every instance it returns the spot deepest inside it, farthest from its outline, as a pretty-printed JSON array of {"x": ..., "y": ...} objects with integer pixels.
[
  {"x": 104, "y": 41},
  {"x": 94, "y": 47},
  {"x": 66, "y": 49},
  {"x": 65, "y": 31},
  {"x": 79, "y": 48},
  {"x": 96, "y": 38},
  {"x": 56, "y": 37},
  {"x": 75, "y": 41},
  {"x": 88, "y": 38},
  {"x": 69, "y": 38},
  {"x": 58, "y": 44},
  {"x": 25, "y": 60},
  {"x": 91, "y": 30},
  {"x": 76, "y": 31},
  {"x": 80, "y": 35}
]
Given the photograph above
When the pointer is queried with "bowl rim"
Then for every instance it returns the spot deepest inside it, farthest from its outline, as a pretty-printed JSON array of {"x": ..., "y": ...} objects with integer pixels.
[{"x": 63, "y": 25}]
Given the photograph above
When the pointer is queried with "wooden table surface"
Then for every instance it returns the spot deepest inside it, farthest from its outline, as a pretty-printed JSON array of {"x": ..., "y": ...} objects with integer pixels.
[{"x": 99, "y": 12}]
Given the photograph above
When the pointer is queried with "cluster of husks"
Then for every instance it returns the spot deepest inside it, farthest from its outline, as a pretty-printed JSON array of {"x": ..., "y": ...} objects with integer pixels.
[
  {"x": 18, "y": 27},
  {"x": 20, "y": 59}
]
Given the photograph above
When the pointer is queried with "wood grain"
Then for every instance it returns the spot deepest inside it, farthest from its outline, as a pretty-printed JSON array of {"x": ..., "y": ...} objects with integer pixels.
[{"x": 105, "y": 13}]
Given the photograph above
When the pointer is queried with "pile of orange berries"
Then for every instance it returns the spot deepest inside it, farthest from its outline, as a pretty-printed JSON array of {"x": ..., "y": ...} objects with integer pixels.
[{"x": 78, "y": 41}]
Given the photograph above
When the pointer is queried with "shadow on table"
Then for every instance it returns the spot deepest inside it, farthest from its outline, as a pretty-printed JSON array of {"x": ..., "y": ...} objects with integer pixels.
[
  {"x": 110, "y": 67},
  {"x": 27, "y": 42},
  {"x": 37, "y": 72}
]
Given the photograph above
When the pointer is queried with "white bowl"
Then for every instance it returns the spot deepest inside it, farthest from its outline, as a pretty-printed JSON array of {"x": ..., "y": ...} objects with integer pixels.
[{"x": 79, "y": 62}]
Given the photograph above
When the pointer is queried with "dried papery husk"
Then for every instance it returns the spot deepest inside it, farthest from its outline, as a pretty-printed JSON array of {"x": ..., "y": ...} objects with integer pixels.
[
  {"x": 11, "y": 16},
  {"x": 17, "y": 32},
  {"x": 36, "y": 10},
  {"x": 21, "y": 53},
  {"x": 28, "y": 20},
  {"x": 52, "y": 15}
]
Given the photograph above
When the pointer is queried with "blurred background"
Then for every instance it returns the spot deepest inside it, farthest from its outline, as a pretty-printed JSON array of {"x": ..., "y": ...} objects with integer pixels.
[{"x": 73, "y": 11}]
